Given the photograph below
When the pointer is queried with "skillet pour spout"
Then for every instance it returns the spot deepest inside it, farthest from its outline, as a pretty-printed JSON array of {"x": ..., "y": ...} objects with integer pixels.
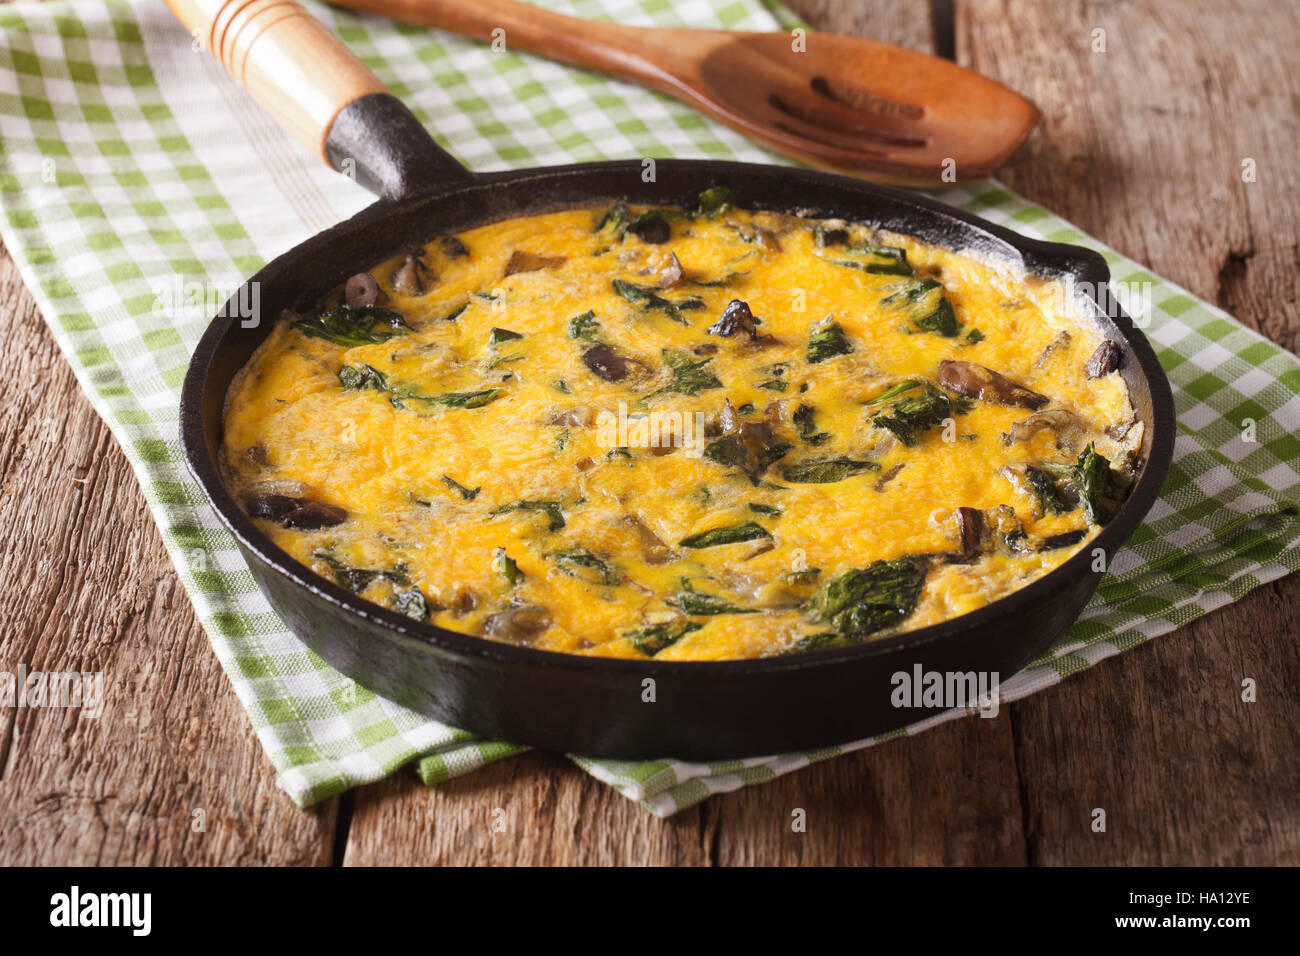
[{"x": 594, "y": 706}]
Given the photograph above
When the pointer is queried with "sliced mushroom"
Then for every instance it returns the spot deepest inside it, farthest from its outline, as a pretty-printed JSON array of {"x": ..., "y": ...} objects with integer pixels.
[
  {"x": 781, "y": 596},
  {"x": 466, "y": 600},
  {"x": 1062, "y": 540},
  {"x": 607, "y": 363},
  {"x": 521, "y": 261},
  {"x": 299, "y": 513},
  {"x": 453, "y": 248},
  {"x": 666, "y": 438},
  {"x": 653, "y": 548},
  {"x": 889, "y": 476},
  {"x": 970, "y": 522},
  {"x": 779, "y": 411},
  {"x": 409, "y": 278},
  {"x": 577, "y": 416},
  {"x": 728, "y": 419},
  {"x": 1005, "y": 527},
  {"x": 361, "y": 291},
  {"x": 1105, "y": 360},
  {"x": 518, "y": 625},
  {"x": 745, "y": 585},
  {"x": 272, "y": 507},
  {"x": 653, "y": 228},
  {"x": 313, "y": 515},
  {"x": 1120, "y": 430},
  {"x": 768, "y": 240},
  {"x": 1059, "y": 341},
  {"x": 736, "y": 317},
  {"x": 976, "y": 381},
  {"x": 671, "y": 274},
  {"x": 1066, "y": 425}
]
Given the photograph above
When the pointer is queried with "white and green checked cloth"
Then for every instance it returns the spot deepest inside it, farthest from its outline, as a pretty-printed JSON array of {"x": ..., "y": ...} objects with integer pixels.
[{"x": 133, "y": 172}]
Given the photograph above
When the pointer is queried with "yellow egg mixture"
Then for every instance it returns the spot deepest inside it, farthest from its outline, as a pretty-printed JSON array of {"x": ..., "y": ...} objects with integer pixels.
[{"x": 688, "y": 434}]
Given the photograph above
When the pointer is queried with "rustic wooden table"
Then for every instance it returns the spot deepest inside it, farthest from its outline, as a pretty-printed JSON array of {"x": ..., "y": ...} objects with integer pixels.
[{"x": 1140, "y": 145}]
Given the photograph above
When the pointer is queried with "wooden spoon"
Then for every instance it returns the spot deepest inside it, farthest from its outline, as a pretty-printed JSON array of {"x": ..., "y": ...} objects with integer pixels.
[{"x": 853, "y": 106}]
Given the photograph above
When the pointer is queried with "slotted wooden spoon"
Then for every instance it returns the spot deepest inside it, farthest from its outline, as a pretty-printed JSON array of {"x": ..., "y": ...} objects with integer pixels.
[{"x": 857, "y": 107}]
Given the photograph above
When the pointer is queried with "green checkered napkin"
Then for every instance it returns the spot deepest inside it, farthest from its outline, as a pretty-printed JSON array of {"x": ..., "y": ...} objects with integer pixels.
[{"x": 139, "y": 185}]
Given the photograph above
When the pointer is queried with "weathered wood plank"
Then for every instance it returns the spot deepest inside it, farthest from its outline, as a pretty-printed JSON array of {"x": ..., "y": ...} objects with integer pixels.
[
  {"x": 535, "y": 809},
  {"x": 948, "y": 796},
  {"x": 886, "y": 21},
  {"x": 85, "y": 585},
  {"x": 1142, "y": 145}
]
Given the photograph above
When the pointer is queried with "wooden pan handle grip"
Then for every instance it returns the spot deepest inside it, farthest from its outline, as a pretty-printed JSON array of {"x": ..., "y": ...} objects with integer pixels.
[{"x": 291, "y": 64}]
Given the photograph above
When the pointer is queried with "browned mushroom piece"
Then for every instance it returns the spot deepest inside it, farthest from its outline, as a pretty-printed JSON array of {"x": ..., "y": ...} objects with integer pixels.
[
  {"x": 1059, "y": 341},
  {"x": 728, "y": 419},
  {"x": 779, "y": 411},
  {"x": 665, "y": 440},
  {"x": 653, "y": 548},
  {"x": 575, "y": 416},
  {"x": 361, "y": 291},
  {"x": 736, "y": 317},
  {"x": 1105, "y": 360},
  {"x": 453, "y": 248},
  {"x": 671, "y": 275},
  {"x": 521, "y": 261},
  {"x": 1067, "y": 426},
  {"x": 782, "y": 596},
  {"x": 313, "y": 515},
  {"x": 768, "y": 240},
  {"x": 976, "y": 381},
  {"x": 971, "y": 523},
  {"x": 652, "y": 228},
  {"x": 272, "y": 507},
  {"x": 466, "y": 600},
  {"x": 1119, "y": 431},
  {"x": 889, "y": 476},
  {"x": 518, "y": 624},
  {"x": 606, "y": 362},
  {"x": 409, "y": 278}
]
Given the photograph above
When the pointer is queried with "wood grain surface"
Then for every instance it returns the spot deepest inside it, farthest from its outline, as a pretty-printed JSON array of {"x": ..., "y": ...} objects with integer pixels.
[{"x": 1140, "y": 145}]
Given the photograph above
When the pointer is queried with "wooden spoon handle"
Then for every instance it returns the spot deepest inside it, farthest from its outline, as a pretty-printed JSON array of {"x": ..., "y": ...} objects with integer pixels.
[
  {"x": 635, "y": 53},
  {"x": 294, "y": 67},
  {"x": 317, "y": 90}
]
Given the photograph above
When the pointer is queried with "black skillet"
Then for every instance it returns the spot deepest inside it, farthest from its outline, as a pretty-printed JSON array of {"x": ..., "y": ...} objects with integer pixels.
[{"x": 592, "y": 706}]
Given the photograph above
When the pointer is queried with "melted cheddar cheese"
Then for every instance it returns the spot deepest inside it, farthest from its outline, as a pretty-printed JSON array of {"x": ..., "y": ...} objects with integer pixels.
[{"x": 683, "y": 434}]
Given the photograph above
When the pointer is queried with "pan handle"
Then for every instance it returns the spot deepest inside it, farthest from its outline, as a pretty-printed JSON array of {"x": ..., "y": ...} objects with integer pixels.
[{"x": 316, "y": 89}]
